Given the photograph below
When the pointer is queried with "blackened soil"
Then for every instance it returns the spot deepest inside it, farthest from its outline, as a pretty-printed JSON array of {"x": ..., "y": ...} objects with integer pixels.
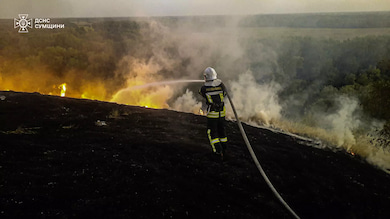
[{"x": 71, "y": 158}]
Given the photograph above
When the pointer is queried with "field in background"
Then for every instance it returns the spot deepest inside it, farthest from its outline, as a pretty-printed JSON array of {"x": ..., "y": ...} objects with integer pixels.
[{"x": 331, "y": 33}]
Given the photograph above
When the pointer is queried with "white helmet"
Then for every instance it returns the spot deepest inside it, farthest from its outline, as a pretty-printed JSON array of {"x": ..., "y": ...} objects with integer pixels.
[{"x": 210, "y": 74}]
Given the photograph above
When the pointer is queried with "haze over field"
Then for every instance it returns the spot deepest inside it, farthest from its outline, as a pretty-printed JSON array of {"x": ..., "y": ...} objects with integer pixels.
[{"x": 122, "y": 8}]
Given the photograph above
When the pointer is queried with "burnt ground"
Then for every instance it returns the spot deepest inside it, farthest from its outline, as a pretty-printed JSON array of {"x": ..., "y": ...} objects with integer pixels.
[{"x": 71, "y": 158}]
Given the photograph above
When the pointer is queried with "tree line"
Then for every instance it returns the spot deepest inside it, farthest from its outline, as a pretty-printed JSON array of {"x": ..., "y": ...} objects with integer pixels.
[{"x": 316, "y": 70}]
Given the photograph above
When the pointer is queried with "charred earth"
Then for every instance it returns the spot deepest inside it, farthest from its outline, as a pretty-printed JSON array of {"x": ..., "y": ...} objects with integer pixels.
[{"x": 72, "y": 158}]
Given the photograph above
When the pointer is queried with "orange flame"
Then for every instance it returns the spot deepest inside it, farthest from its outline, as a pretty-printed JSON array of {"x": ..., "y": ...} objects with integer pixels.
[
  {"x": 63, "y": 89},
  {"x": 152, "y": 97}
]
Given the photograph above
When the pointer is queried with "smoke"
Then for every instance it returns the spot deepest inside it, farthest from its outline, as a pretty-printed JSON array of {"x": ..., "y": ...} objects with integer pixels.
[
  {"x": 358, "y": 134},
  {"x": 187, "y": 103},
  {"x": 344, "y": 121},
  {"x": 344, "y": 127},
  {"x": 254, "y": 101},
  {"x": 350, "y": 129},
  {"x": 157, "y": 61},
  {"x": 36, "y": 8},
  {"x": 175, "y": 49},
  {"x": 122, "y": 8},
  {"x": 142, "y": 72},
  {"x": 175, "y": 53},
  {"x": 185, "y": 49}
]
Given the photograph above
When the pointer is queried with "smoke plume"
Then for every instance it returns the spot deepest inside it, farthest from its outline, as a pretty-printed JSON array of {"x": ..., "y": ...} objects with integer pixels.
[
  {"x": 255, "y": 102},
  {"x": 251, "y": 67},
  {"x": 185, "y": 50}
]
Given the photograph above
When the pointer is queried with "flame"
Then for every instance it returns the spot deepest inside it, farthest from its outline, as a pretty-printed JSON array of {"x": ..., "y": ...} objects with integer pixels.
[
  {"x": 79, "y": 86},
  {"x": 63, "y": 89},
  {"x": 150, "y": 97}
]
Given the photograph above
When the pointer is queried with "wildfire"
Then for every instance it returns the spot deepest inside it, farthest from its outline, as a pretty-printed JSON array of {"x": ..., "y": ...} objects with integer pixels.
[
  {"x": 62, "y": 87},
  {"x": 351, "y": 152},
  {"x": 149, "y": 96}
]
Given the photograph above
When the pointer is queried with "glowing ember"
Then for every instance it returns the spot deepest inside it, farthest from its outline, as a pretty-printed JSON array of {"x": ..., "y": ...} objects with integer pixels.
[{"x": 63, "y": 89}]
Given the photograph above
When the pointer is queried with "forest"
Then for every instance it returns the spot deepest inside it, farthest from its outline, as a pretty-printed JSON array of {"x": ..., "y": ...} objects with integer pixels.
[{"x": 93, "y": 56}]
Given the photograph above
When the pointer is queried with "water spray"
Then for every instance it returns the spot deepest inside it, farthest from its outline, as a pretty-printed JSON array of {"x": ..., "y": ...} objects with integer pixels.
[{"x": 162, "y": 83}]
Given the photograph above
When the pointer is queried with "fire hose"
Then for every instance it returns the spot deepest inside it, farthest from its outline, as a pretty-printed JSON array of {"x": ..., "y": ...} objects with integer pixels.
[{"x": 276, "y": 193}]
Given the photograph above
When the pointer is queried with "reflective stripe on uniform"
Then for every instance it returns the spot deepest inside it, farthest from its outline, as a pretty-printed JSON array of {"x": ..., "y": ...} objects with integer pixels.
[
  {"x": 215, "y": 114},
  {"x": 212, "y": 141},
  {"x": 223, "y": 139},
  {"x": 214, "y": 93},
  {"x": 221, "y": 96},
  {"x": 210, "y": 100}
]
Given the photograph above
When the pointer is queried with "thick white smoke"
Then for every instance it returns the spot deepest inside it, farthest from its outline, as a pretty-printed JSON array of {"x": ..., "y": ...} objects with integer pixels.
[
  {"x": 344, "y": 121},
  {"x": 183, "y": 51},
  {"x": 187, "y": 103},
  {"x": 141, "y": 72},
  {"x": 255, "y": 102},
  {"x": 175, "y": 53},
  {"x": 351, "y": 131}
]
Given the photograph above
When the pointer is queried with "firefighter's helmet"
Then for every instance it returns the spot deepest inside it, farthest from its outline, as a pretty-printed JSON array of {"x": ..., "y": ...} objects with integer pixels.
[{"x": 209, "y": 74}]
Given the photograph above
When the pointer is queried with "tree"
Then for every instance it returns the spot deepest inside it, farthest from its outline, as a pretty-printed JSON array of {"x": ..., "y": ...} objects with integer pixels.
[
  {"x": 378, "y": 101},
  {"x": 384, "y": 67}
]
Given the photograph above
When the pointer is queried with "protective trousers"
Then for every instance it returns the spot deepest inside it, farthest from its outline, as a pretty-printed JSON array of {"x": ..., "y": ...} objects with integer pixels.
[{"x": 217, "y": 135}]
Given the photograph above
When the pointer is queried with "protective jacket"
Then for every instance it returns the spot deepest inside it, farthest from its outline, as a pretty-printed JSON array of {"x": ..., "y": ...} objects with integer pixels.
[{"x": 214, "y": 92}]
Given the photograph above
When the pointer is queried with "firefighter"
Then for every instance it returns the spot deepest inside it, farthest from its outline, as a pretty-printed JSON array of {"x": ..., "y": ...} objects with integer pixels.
[{"x": 214, "y": 91}]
